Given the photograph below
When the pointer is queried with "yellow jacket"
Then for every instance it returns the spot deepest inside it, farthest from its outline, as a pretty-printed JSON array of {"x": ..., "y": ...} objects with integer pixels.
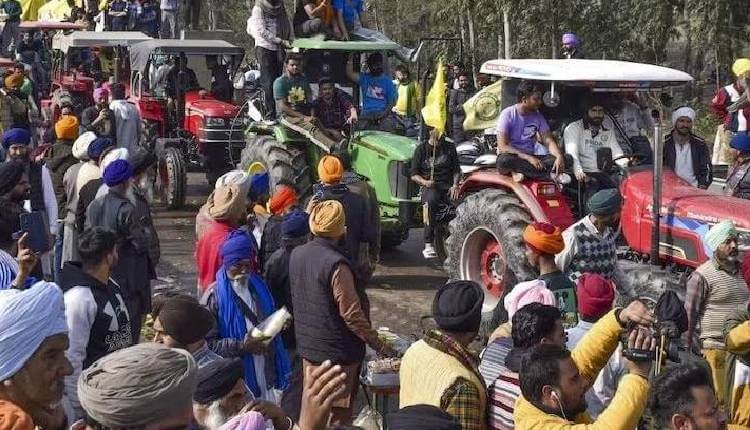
[
  {"x": 590, "y": 356},
  {"x": 738, "y": 343}
]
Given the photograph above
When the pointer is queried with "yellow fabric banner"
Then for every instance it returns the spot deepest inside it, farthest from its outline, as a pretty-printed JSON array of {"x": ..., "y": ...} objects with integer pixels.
[
  {"x": 435, "y": 112},
  {"x": 55, "y": 10},
  {"x": 31, "y": 9}
]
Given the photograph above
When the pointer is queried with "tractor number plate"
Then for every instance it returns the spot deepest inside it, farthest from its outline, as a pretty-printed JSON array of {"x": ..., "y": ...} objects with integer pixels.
[{"x": 553, "y": 203}]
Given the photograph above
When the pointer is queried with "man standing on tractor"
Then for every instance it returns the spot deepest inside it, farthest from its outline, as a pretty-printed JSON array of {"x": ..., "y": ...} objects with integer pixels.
[
  {"x": 334, "y": 109},
  {"x": 436, "y": 169},
  {"x": 686, "y": 153},
  {"x": 99, "y": 118},
  {"x": 169, "y": 27},
  {"x": 456, "y": 99},
  {"x": 294, "y": 98},
  {"x": 269, "y": 27},
  {"x": 714, "y": 291},
  {"x": 590, "y": 244},
  {"x": 519, "y": 129},
  {"x": 731, "y": 111},
  {"x": 583, "y": 138},
  {"x": 571, "y": 46},
  {"x": 12, "y": 8},
  {"x": 408, "y": 103},
  {"x": 378, "y": 94}
]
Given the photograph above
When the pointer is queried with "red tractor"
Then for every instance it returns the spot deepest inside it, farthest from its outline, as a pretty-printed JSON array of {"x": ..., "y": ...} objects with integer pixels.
[
  {"x": 182, "y": 120},
  {"x": 485, "y": 244}
]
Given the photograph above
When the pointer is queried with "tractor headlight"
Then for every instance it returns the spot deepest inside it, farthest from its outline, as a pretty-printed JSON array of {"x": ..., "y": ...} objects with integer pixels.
[
  {"x": 240, "y": 121},
  {"x": 215, "y": 122}
]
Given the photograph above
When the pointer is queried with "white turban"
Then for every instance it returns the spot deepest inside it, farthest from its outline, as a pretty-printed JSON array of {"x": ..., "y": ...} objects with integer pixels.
[
  {"x": 27, "y": 318},
  {"x": 683, "y": 111},
  {"x": 235, "y": 177},
  {"x": 115, "y": 154},
  {"x": 81, "y": 145},
  {"x": 138, "y": 386}
]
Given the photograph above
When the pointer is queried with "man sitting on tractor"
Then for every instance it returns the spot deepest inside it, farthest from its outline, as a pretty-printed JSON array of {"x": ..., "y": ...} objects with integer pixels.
[
  {"x": 184, "y": 79},
  {"x": 583, "y": 138},
  {"x": 591, "y": 243},
  {"x": 221, "y": 85},
  {"x": 293, "y": 99},
  {"x": 334, "y": 109},
  {"x": 519, "y": 129},
  {"x": 686, "y": 153},
  {"x": 378, "y": 94}
]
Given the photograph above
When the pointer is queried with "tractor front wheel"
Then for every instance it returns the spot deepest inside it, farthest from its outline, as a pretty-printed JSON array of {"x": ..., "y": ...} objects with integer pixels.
[
  {"x": 485, "y": 245},
  {"x": 172, "y": 178}
]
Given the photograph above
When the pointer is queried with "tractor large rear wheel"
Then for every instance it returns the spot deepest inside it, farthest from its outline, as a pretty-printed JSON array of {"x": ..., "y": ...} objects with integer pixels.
[
  {"x": 282, "y": 162},
  {"x": 172, "y": 178},
  {"x": 485, "y": 245}
]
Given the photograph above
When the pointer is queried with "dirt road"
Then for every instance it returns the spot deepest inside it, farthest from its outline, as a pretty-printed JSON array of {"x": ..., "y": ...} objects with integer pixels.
[{"x": 400, "y": 292}]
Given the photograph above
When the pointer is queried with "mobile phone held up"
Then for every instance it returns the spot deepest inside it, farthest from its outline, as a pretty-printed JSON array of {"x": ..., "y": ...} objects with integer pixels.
[{"x": 35, "y": 225}]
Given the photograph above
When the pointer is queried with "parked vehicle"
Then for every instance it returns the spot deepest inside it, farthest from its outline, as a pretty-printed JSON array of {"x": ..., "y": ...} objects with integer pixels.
[{"x": 192, "y": 128}]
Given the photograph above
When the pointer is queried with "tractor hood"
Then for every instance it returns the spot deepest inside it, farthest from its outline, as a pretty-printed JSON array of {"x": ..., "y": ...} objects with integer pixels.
[
  {"x": 388, "y": 145},
  {"x": 210, "y": 107},
  {"x": 682, "y": 200}
]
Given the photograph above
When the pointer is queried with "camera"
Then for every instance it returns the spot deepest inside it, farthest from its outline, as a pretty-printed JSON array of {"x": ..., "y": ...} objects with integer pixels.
[{"x": 668, "y": 344}]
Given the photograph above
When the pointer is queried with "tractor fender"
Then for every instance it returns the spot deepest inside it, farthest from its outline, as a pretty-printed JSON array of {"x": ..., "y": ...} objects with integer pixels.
[
  {"x": 491, "y": 179},
  {"x": 162, "y": 143}
]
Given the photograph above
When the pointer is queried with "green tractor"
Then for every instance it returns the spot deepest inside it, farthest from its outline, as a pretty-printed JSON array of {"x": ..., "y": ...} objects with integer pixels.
[{"x": 383, "y": 158}]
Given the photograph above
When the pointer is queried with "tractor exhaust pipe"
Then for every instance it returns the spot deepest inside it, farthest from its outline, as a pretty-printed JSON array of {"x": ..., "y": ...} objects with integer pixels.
[{"x": 656, "y": 201}]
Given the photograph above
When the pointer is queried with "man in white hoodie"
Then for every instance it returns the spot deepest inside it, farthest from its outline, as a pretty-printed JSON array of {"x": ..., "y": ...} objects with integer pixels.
[{"x": 127, "y": 119}]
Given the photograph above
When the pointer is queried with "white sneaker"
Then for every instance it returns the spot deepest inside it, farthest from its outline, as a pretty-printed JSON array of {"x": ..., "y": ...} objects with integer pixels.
[{"x": 428, "y": 251}]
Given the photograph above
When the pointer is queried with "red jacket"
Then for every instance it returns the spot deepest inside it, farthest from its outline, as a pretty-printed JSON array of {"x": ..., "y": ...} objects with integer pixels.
[
  {"x": 721, "y": 102},
  {"x": 207, "y": 257}
]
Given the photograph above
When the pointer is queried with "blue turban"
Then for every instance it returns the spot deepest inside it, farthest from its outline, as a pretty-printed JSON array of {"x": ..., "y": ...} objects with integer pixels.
[
  {"x": 27, "y": 318},
  {"x": 260, "y": 184},
  {"x": 16, "y": 136},
  {"x": 238, "y": 246},
  {"x": 117, "y": 172},
  {"x": 741, "y": 142},
  {"x": 295, "y": 224},
  {"x": 98, "y": 146}
]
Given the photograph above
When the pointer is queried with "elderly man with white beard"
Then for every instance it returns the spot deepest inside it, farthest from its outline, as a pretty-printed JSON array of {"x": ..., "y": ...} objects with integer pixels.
[
  {"x": 143, "y": 161},
  {"x": 222, "y": 394}
]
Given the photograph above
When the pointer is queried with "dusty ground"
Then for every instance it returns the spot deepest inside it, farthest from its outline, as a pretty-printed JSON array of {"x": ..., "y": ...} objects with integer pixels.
[{"x": 400, "y": 292}]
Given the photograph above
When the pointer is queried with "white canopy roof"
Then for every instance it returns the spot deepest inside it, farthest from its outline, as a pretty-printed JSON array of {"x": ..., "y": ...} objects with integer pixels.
[
  {"x": 589, "y": 73},
  {"x": 90, "y": 39}
]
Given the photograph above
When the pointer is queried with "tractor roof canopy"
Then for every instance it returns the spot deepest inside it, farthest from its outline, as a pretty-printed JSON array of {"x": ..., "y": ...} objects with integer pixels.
[
  {"x": 49, "y": 26},
  {"x": 338, "y": 45},
  {"x": 595, "y": 74},
  {"x": 91, "y": 39},
  {"x": 141, "y": 52}
]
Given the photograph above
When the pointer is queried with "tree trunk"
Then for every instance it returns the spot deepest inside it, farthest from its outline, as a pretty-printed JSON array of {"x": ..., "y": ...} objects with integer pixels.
[
  {"x": 506, "y": 33},
  {"x": 688, "y": 52},
  {"x": 472, "y": 40}
]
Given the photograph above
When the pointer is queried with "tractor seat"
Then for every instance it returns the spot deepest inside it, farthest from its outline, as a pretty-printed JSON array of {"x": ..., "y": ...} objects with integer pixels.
[{"x": 481, "y": 162}]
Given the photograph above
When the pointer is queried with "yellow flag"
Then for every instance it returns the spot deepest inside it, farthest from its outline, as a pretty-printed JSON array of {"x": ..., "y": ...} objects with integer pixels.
[{"x": 434, "y": 112}]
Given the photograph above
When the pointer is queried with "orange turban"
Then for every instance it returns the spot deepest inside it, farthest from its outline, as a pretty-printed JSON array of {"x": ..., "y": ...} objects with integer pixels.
[
  {"x": 67, "y": 127},
  {"x": 283, "y": 199},
  {"x": 330, "y": 169},
  {"x": 544, "y": 238},
  {"x": 14, "y": 81}
]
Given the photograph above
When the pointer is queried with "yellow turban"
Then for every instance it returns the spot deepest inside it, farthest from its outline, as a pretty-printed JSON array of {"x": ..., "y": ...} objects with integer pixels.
[
  {"x": 330, "y": 169},
  {"x": 67, "y": 127},
  {"x": 14, "y": 81},
  {"x": 741, "y": 66},
  {"x": 327, "y": 219}
]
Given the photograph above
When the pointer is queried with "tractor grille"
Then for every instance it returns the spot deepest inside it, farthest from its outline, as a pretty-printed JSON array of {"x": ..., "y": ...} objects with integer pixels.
[{"x": 398, "y": 178}]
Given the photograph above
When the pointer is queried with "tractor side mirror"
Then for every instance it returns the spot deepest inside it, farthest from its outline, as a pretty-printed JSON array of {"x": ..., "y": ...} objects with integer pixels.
[{"x": 604, "y": 159}]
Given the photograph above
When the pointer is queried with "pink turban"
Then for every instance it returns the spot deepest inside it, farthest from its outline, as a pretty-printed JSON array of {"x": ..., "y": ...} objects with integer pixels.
[{"x": 527, "y": 292}]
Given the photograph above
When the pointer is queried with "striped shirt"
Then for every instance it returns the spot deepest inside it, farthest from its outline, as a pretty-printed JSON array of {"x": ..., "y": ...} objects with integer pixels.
[
  {"x": 493, "y": 359},
  {"x": 8, "y": 270},
  {"x": 503, "y": 394}
]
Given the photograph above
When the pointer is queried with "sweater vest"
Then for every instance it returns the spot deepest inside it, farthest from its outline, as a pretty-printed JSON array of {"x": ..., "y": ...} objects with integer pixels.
[
  {"x": 111, "y": 330},
  {"x": 725, "y": 295},
  {"x": 320, "y": 330},
  {"x": 596, "y": 253},
  {"x": 426, "y": 373}
]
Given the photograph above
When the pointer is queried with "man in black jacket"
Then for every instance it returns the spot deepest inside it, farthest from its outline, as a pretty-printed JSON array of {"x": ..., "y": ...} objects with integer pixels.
[
  {"x": 456, "y": 99},
  {"x": 686, "y": 153}
]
